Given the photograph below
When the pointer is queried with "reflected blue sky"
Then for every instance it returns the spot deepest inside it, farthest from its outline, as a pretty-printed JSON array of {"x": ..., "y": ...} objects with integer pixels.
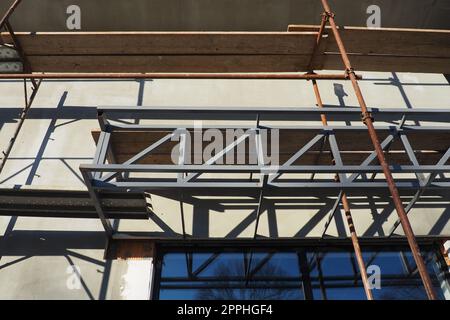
[{"x": 330, "y": 274}]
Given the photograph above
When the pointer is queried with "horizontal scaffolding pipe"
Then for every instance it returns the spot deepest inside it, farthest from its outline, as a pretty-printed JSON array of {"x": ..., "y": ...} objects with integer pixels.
[{"x": 261, "y": 75}]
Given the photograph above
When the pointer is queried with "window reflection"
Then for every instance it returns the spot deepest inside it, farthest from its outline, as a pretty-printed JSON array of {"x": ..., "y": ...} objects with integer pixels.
[{"x": 302, "y": 274}]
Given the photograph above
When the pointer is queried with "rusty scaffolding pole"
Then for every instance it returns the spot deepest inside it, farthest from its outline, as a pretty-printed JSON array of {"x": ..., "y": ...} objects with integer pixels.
[
  {"x": 368, "y": 121},
  {"x": 343, "y": 198},
  {"x": 348, "y": 214}
]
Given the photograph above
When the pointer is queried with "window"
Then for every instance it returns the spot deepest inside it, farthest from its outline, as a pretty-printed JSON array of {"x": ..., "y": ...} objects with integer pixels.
[{"x": 305, "y": 273}]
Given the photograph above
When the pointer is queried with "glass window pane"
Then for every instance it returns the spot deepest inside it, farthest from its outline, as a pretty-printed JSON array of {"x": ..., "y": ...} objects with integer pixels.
[{"x": 330, "y": 273}]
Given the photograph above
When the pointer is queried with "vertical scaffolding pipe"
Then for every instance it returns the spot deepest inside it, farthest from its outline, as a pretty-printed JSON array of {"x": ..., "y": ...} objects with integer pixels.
[
  {"x": 367, "y": 119},
  {"x": 22, "y": 117},
  {"x": 348, "y": 214},
  {"x": 4, "y": 22},
  {"x": 344, "y": 200}
]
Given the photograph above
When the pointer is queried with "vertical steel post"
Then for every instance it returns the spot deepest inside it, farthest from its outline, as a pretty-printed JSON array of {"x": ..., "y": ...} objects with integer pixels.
[{"x": 367, "y": 119}]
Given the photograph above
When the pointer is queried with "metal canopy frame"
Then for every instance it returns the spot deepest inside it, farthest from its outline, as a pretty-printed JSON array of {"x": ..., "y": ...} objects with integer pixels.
[
  {"x": 352, "y": 176},
  {"x": 346, "y": 178},
  {"x": 119, "y": 177},
  {"x": 99, "y": 176}
]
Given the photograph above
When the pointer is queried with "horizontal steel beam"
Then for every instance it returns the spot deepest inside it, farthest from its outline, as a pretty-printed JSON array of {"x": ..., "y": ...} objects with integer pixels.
[
  {"x": 213, "y": 168},
  {"x": 273, "y": 113},
  {"x": 262, "y": 110},
  {"x": 183, "y": 126},
  {"x": 141, "y": 186},
  {"x": 69, "y": 204}
]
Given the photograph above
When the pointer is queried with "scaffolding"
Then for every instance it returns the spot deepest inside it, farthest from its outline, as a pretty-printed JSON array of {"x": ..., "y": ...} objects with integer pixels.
[{"x": 112, "y": 172}]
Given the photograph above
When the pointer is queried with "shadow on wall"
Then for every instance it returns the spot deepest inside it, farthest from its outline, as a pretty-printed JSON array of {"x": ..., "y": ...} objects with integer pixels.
[{"x": 377, "y": 213}]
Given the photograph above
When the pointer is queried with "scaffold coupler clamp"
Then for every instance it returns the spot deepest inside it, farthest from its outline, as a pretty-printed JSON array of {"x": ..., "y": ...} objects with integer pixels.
[
  {"x": 310, "y": 73},
  {"x": 327, "y": 15},
  {"x": 349, "y": 71},
  {"x": 365, "y": 116}
]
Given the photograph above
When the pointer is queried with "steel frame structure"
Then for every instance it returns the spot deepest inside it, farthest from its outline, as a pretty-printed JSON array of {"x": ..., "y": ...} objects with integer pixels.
[
  {"x": 346, "y": 179},
  {"x": 353, "y": 178}
]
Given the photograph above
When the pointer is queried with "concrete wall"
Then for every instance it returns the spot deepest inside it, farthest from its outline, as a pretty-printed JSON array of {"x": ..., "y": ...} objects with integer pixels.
[
  {"x": 37, "y": 254},
  {"x": 222, "y": 15}
]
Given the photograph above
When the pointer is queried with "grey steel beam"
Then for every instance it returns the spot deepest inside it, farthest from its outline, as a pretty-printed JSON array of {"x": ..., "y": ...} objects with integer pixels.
[
  {"x": 323, "y": 129},
  {"x": 163, "y": 168},
  {"x": 425, "y": 184},
  {"x": 248, "y": 186},
  {"x": 174, "y": 112}
]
